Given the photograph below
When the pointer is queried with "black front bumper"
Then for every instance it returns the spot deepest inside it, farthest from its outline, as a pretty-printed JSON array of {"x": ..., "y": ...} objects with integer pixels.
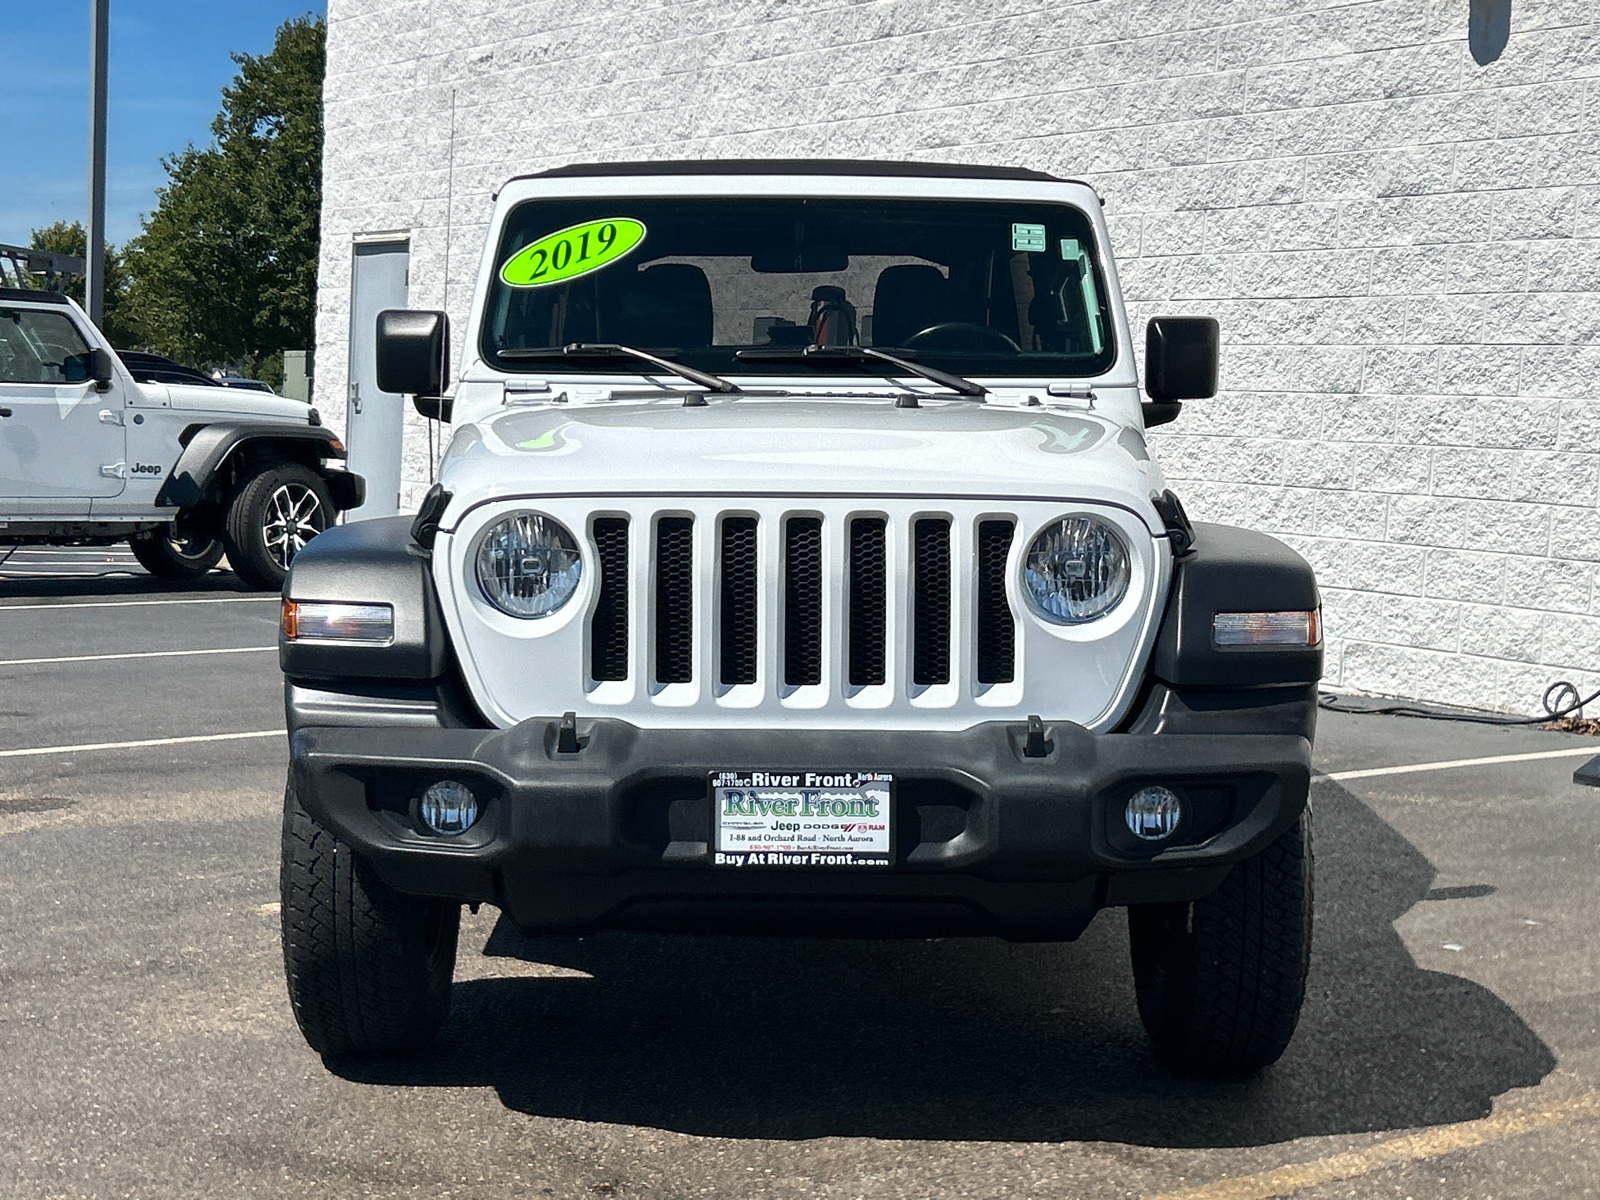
[{"x": 989, "y": 840}]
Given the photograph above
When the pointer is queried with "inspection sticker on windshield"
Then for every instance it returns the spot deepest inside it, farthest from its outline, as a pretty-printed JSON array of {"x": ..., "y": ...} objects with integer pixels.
[
  {"x": 801, "y": 819},
  {"x": 573, "y": 251},
  {"x": 1028, "y": 237}
]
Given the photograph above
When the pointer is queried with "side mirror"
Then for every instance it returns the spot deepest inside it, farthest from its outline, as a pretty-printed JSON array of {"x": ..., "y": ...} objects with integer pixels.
[
  {"x": 413, "y": 355},
  {"x": 1180, "y": 363},
  {"x": 100, "y": 369}
]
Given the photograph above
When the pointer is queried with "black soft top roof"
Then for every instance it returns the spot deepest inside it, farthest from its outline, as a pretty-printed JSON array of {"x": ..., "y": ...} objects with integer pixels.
[
  {"x": 31, "y": 296},
  {"x": 794, "y": 166}
]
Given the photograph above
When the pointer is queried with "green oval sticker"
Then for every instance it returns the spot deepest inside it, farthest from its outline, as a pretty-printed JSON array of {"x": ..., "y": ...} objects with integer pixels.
[{"x": 573, "y": 251}]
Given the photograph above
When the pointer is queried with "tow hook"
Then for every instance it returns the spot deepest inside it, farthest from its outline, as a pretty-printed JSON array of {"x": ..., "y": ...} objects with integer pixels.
[
  {"x": 1036, "y": 745},
  {"x": 567, "y": 734}
]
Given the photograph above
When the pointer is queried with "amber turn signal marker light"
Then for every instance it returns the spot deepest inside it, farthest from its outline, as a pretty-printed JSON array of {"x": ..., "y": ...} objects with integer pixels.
[
  {"x": 289, "y": 622},
  {"x": 1300, "y": 628}
]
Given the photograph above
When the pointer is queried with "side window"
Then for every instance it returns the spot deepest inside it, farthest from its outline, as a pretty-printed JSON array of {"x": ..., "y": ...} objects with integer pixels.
[{"x": 41, "y": 347}]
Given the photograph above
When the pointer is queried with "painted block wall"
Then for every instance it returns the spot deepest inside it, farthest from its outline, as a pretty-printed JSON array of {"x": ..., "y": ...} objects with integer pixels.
[{"x": 1402, "y": 242}]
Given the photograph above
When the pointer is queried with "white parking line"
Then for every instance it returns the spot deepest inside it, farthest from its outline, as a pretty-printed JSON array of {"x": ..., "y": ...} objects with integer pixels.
[
  {"x": 1412, "y": 768},
  {"x": 138, "y": 603},
  {"x": 19, "y": 576},
  {"x": 171, "y": 741},
  {"x": 76, "y": 658}
]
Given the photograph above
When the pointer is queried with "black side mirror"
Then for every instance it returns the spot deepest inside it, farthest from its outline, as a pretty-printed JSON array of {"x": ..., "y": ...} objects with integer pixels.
[
  {"x": 100, "y": 369},
  {"x": 413, "y": 357},
  {"x": 1180, "y": 363}
]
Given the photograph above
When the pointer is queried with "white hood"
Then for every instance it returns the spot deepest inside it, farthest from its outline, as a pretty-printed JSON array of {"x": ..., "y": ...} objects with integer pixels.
[
  {"x": 752, "y": 445},
  {"x": 236, "y": 402}
]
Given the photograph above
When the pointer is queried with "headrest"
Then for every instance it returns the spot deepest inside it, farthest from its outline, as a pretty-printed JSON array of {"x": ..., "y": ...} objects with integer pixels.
[
  {"x": 908, "y": 299},
  {"x": 668, "y": 304}
]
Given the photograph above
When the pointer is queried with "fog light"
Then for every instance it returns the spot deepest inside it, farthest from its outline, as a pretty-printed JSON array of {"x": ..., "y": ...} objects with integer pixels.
[
  {"x": 449, "y": 807},
  {"x": 1153, "y": 813}
]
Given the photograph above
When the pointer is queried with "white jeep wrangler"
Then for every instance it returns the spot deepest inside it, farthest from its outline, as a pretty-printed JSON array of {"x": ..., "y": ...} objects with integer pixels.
[
  {"x": 93, "y": 452},
  {"x": 798, "y": 566}
]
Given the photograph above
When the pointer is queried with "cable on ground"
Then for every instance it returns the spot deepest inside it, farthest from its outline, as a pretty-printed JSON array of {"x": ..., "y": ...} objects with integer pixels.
[{"x": 1561, "y": 700}]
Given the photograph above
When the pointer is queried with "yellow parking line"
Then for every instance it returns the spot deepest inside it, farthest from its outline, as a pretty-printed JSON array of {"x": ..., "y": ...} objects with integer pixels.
[{"x": 1414, "y": 1147}]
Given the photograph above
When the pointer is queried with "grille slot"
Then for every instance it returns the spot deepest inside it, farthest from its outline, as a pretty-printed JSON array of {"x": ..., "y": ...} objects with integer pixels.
[
  {"x": 869, "y": 594},
  {"x": 675, "y": 600},
  {"x": 997, "y": 634},
  {"x": 608, "y": 629},
  {"x": 802, "y": 602},
  {"x": 930, "y": 630},
  {"x": 740, "y": 584}
]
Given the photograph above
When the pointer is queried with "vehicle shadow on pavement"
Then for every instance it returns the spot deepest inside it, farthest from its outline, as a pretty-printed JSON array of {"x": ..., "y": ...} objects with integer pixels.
[
  {"x": 118, "y": 586},
  {"x": 978, "y": 1039}
]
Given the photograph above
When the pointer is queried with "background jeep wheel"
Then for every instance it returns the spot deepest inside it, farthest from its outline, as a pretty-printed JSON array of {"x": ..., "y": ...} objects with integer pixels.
[
  {"x": 369, "y": 969},
  {"x": 1221, "y": 980},
  {"x": 167, "y": 557},
  {"x": 273, "y": 515}
]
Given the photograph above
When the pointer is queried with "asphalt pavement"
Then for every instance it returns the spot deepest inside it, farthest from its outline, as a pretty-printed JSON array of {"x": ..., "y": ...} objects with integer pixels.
[{"x": 1450, "y": 1045}]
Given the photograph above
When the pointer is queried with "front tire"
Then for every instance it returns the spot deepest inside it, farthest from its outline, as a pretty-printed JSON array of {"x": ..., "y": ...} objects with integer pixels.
[
  {"x": 1220, "y": 980},
  {"x": 273, "y": 515},
  {"x": 167, "y": 557},
  {"x": 369, "y": 969}
]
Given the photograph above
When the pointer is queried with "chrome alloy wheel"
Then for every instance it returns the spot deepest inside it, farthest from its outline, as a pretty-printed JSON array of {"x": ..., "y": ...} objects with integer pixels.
[{"x": 293, "y": 517}]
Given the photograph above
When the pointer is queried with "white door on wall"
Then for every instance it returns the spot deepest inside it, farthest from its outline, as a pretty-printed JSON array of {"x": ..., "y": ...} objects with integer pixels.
[{"x": 379, "y": 274}]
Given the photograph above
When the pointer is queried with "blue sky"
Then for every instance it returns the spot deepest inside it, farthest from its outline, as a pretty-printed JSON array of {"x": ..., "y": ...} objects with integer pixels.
[{"x": 169, "y": 63}]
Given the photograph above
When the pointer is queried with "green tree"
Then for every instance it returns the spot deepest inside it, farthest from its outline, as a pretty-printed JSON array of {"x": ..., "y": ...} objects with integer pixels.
[
  {"x": 68, "y": 237},
  {"x": 224, "y": 272}
]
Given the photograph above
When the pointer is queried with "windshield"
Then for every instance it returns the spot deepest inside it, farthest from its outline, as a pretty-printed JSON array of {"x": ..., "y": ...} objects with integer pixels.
[{"x": 988, "y": 287}]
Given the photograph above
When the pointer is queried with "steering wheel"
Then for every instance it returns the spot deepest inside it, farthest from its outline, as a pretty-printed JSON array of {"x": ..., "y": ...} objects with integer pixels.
[{"x": 961, "y": 335}]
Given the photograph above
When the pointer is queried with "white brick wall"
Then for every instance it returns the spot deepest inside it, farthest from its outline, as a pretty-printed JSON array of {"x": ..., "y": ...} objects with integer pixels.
[{"x": 1403, "y": 246}]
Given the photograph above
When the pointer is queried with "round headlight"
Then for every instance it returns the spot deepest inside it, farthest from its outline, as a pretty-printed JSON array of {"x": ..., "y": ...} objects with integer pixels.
[
  {"x": 528, "y": 565},
  {"x": 1076, "y": 570}
]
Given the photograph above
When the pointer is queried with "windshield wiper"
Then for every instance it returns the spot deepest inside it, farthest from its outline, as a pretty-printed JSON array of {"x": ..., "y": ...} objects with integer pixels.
[
  {"x": 602, "y": 349},
  {"x": 866, "y": 353}
]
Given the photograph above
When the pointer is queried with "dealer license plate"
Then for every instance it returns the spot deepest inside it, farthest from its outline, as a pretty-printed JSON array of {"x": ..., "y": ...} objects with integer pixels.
[{"x": 802, "y": 819}]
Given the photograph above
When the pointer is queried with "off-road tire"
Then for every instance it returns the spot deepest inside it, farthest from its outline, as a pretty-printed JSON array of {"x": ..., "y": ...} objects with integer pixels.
[
  {"x": 1220, "y": 980},
  {"x": 167, "y": 557},
  {"x": 270, "y": 517},
  {"x": 369, "y": 968}
]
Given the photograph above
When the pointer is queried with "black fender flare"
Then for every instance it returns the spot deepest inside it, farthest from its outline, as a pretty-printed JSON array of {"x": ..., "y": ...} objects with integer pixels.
[
  {"x": 210, "y": 448},
  {"x": 368, "y": 562},
  {"x": 1234, "y": 570}
]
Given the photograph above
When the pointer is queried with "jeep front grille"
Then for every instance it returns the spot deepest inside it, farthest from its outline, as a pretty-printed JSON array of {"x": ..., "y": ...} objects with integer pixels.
[
  {"x": 814, "y": 612},
  {"x": 674, "y": 600},
  {"x": 869, "y": 596},
  {"x": 802, "y": 602},
  {"x": 608, "y": 643},
  {"x": 930, "y": 601},
  {"x": 865, "y": 576},
  {"x": 997, "y": 631},
  {"x": 740, "y": 585}
]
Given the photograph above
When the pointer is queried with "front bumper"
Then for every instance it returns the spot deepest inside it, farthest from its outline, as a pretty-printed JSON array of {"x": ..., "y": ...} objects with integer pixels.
[{"x": 988, "y": 839}]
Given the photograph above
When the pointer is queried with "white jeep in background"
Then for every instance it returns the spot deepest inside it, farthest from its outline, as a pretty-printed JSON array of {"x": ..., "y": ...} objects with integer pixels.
[
  {"x": 95, "y": 450},
  {"x": 798, "y": 566}
]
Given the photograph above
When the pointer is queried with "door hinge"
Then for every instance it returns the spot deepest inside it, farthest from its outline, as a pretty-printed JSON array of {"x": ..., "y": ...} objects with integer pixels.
[
  {"x": 1075, "y": 391},
  {"x": 115, "y": 470},
  {"x": 110, "y": 416},
  {"x": 525, "y": 389},
  {"x": 355, "y": 395}
]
